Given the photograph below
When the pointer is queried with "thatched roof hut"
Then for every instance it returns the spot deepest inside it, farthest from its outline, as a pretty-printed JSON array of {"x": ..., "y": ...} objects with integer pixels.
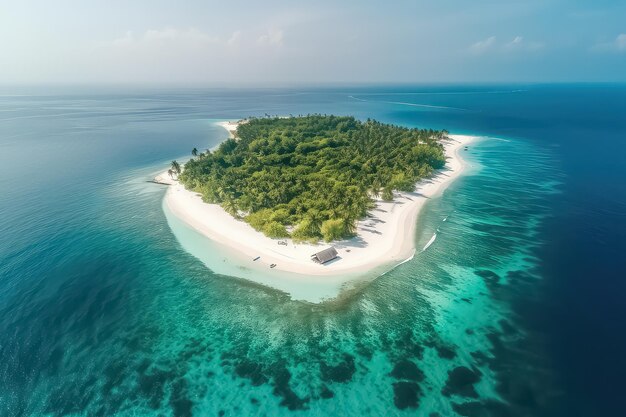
[{"x": 324, "y": 256}]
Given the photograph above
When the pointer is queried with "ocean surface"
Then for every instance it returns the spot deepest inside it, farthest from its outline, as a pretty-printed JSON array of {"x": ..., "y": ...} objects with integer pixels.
[{"x": 515, "y": 308}]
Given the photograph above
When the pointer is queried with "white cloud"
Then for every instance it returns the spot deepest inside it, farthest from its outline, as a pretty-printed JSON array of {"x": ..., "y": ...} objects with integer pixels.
[
  {"x": 184, "y": 55},
  {"x": 272, "y": 37},
  {"x": 235, "y": 37},
  {"x": 483, "y": 46},
  {"x": 194, "y": 38},
  {"x": 153, "y": 36},
  {"x": 620, "y": 42},
  {"x": 517, "y": 44},
  {"x": 618, "y": 45},
  {"x": 520, "y": 44}
]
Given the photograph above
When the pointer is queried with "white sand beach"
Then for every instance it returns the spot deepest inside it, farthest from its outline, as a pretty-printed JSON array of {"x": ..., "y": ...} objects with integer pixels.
[
  {"x": 384, "y": 239},
  {"x": 230, "y": 126}
]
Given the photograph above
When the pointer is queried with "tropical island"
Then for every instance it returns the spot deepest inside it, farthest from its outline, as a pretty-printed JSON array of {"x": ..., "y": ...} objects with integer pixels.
[
  {"x": 278, "y": 188},
  {"x": 312, "y": 177}
]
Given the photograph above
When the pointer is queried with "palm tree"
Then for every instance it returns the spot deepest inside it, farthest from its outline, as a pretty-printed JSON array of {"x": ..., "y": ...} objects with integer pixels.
[
  {"x": 194, "y": 151},
  {"x": 349, "y": 226},
  {"x": 170, "y": 172},
  {"x": 388, "y": 193},
  {"x": 176, "y": 167},
  {"x": 230, "y": 206},
  {"x": 316, "y": 218}
]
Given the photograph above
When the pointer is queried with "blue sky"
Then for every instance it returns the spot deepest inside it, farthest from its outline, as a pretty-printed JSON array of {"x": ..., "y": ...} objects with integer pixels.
[{"x": 289, "y": 42}]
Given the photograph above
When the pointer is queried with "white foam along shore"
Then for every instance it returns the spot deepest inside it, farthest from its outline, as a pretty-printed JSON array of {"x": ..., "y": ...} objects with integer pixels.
[{"x": 385, "y": 239}]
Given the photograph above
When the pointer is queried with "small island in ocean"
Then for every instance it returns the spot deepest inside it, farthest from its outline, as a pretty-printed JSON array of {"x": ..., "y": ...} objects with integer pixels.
[
  {"x": 313, "y": 177},
  {"x": 280, "y": 190}
]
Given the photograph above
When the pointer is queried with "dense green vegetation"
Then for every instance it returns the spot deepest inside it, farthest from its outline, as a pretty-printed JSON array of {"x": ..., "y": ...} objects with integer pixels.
[{"x": 312, "y": 177}]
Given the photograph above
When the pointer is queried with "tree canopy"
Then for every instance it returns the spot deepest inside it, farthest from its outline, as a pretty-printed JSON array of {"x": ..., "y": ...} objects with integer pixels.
[{"x": 312, "y": 177}]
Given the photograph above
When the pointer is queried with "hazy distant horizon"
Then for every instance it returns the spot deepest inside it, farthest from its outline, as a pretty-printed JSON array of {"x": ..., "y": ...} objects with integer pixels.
[
  {"x": 304, "y": 85},
  {"x": 296, "y": 43}
]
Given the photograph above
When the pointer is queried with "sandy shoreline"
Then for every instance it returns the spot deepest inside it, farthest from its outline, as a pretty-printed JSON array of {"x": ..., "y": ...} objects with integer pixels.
[
  {"x": 385, "y": 239},
  {"x": 230, "y": 126}
]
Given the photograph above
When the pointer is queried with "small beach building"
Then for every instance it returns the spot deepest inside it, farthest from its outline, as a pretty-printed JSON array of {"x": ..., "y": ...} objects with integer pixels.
[{"x": 325, "y": 256}]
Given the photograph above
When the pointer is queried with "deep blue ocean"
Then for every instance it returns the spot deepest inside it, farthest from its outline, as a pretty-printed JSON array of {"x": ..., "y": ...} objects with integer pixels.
[{"x": 517, "y": 309}]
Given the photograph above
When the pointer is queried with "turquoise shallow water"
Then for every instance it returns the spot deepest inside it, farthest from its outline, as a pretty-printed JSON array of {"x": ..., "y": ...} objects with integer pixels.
[
  {"x": 223, "y": 260},
  {"x": 104, "y": 313}
]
